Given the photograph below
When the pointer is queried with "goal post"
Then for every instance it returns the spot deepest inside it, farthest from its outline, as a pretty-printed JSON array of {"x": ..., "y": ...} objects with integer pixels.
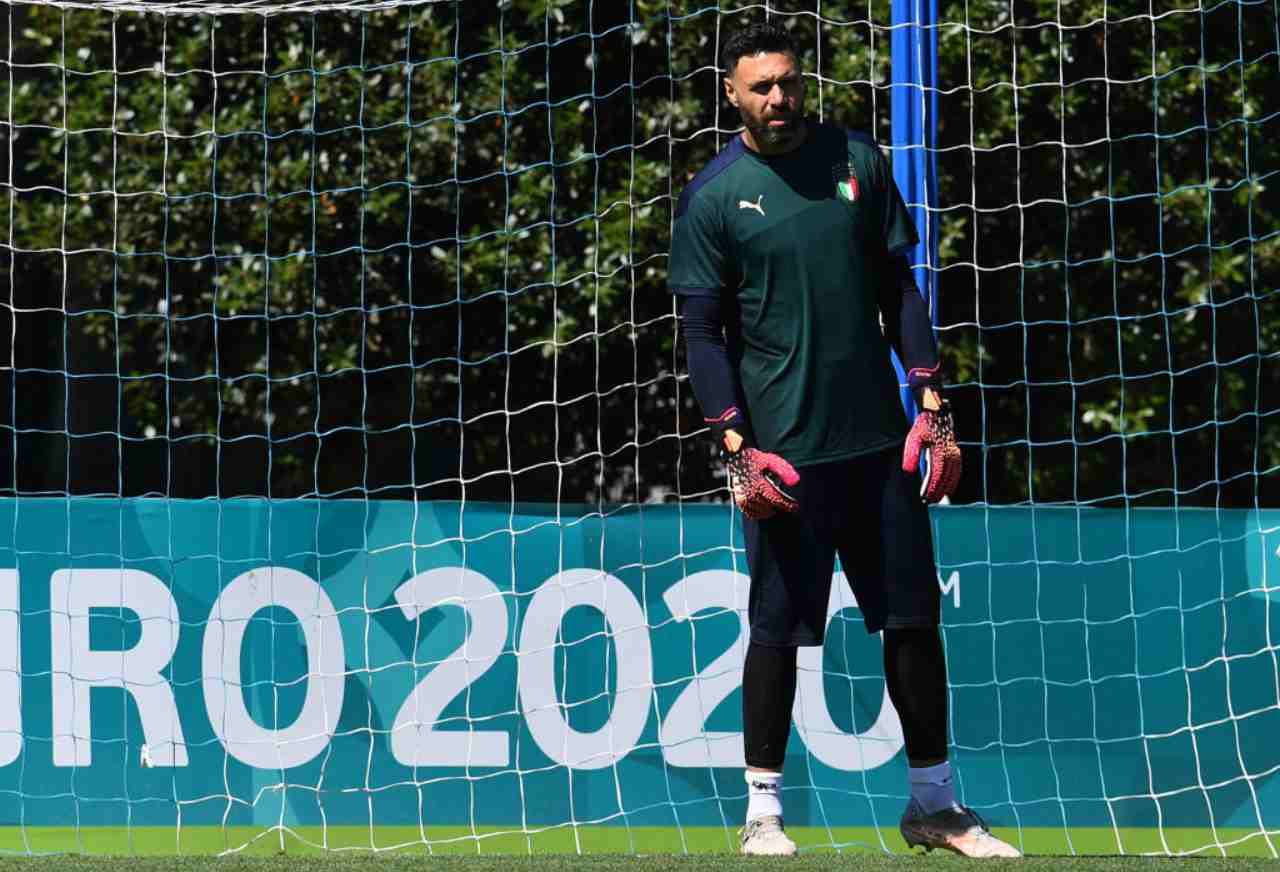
[{"x": 913, "y": 119}]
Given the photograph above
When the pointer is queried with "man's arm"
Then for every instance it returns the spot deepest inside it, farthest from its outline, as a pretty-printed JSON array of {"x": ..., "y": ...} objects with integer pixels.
[
  {"x": 715, "y": 385},
  {"x": 697, "y": 274},
  {"x": 755, "y": 477},
  {"x": 910, "y": 332}
]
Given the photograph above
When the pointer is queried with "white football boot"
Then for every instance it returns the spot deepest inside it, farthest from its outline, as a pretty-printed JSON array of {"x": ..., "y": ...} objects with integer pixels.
[
  {"x": 957, "y": 829},
  {"x": 764, "y": 836}
]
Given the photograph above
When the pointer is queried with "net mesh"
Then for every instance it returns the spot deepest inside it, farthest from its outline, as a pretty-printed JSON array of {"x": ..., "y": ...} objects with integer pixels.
[{"x": 416, "y": 252}]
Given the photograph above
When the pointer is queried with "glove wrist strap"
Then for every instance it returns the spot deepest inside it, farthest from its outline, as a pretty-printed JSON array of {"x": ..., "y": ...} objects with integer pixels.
[{"x": 718, "y": 432}]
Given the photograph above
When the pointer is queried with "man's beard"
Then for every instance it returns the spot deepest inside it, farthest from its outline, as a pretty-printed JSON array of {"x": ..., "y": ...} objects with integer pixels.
[{"x": 767, "y": 134}]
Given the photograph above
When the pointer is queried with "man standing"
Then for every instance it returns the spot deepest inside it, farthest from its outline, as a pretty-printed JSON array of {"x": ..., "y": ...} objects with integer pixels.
[{"x": 787, "y": 257}]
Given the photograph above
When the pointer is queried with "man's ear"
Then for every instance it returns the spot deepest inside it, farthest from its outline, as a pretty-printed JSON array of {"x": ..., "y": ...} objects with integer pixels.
[{"x": 729, "y": 90}]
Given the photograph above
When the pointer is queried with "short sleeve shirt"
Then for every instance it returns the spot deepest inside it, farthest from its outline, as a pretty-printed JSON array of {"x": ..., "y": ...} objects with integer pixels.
[{"x": 798, "y": 246}]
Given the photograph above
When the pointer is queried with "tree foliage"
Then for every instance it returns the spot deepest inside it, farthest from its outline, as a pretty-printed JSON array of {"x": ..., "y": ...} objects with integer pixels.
[{"x": 422, "y": 251}]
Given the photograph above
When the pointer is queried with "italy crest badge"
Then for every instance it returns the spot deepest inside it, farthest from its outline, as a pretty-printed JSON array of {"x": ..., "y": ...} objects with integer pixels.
[{"x": 846, "y": 182}]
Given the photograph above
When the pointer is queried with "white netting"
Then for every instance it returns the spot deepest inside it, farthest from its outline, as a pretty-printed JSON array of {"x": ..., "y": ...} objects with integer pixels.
[{"x": 399, "y": 268}]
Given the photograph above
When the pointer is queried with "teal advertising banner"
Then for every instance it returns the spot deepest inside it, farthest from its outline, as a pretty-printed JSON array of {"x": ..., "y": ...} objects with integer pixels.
[{"x": 350, "y": 662}]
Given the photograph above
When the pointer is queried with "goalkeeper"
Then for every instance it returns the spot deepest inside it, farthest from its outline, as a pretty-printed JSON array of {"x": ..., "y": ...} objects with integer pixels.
[{"x": 787, "y": 256}]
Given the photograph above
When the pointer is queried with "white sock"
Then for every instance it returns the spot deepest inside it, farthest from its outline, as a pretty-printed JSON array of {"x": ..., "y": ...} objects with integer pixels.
[
  {"x": 931, "y": 787},
  {"x": 764, "y": 794}
]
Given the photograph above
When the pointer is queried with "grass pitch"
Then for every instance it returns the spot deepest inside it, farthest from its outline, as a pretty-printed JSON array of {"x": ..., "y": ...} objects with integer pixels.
[
  {"x": 648, "y": 863},
  {"x": 601, "y": 849}
]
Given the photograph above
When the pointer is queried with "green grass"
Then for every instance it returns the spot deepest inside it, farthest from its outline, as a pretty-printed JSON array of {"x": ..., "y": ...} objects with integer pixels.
[
  {"x": 624, "y": 863},
  {"x": 604, "y": 848}
]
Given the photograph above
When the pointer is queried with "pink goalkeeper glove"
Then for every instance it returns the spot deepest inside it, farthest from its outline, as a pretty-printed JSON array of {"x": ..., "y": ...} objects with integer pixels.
[
  {"x": 754, "y": 476},
  {"x": 934, "y": 432}
]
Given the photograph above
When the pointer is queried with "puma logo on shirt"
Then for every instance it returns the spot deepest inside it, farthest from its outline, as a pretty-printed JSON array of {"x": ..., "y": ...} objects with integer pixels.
[{"x": 758, "y": 205}]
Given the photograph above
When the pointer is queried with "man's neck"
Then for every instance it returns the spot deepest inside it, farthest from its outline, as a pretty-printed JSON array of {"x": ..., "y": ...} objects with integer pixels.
[{"x": 797, "y": 139}]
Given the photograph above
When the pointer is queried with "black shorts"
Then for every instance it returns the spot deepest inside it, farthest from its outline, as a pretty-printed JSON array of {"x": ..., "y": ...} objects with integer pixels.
[{"x": 870, "y": 512}]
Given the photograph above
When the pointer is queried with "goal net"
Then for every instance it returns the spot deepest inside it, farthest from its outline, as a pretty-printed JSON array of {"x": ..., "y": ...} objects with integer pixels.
[{"x": 354, "y": 492}]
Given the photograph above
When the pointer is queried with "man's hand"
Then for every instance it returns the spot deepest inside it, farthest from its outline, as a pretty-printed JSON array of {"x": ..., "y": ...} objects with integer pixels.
[
  {"x": 754, "y": 476},
  {"x": 934, "y": 431}
]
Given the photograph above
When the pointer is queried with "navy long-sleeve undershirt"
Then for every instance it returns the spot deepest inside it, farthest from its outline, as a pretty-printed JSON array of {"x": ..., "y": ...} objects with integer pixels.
[
  {"x": 715, "y": 383},
  {"x": 907, "y": 325}
]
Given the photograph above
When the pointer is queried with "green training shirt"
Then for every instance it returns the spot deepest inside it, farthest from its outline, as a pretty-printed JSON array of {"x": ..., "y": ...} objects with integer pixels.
[{"x": 797, "y": 246}]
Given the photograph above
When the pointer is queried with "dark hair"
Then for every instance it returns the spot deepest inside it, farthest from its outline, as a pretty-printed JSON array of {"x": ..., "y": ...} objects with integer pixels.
[{"x": 753, "y": 40}]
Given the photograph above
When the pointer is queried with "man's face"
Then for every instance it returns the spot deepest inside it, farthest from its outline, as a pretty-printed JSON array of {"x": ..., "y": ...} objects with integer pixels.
[{"x": 768, "y": 90}]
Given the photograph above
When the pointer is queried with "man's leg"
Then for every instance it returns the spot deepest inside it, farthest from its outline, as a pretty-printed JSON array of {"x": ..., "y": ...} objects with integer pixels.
[
  {"x": 790, "y": 558},
  {"x": 768, "y": 694},
  {"x": 916, "y": 674},
  {"x": 915, "y": 671}
]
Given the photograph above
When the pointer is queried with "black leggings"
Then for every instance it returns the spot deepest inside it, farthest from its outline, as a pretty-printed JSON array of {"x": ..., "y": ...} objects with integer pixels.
[{"x": 916, "y": 674}]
